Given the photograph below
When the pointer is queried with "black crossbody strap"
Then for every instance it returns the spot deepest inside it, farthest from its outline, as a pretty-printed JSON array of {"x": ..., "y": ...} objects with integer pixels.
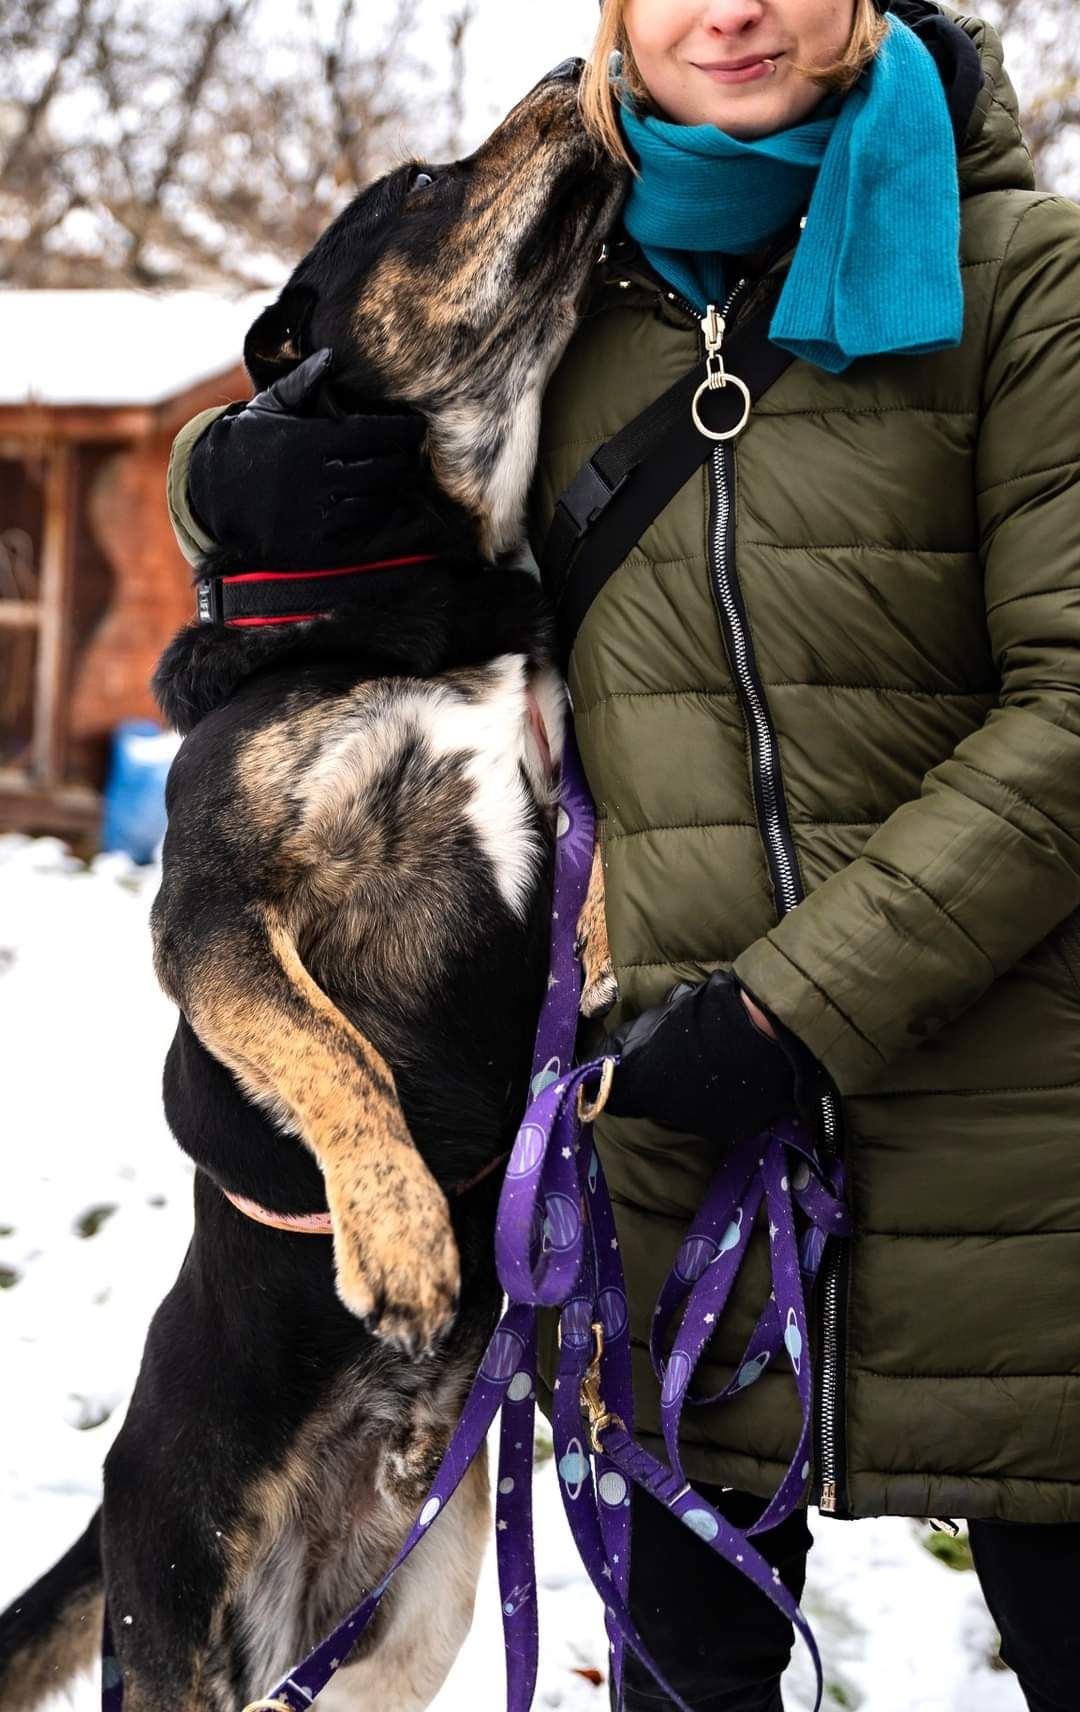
[{"x": 631, "y": 478}]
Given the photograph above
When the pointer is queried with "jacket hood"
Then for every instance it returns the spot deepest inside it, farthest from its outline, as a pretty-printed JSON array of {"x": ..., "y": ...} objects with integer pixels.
[{"x": 993, "y": 154}]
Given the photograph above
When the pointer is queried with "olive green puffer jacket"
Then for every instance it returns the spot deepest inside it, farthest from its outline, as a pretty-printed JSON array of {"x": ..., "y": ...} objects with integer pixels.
[{"x": 869, "y": 693}]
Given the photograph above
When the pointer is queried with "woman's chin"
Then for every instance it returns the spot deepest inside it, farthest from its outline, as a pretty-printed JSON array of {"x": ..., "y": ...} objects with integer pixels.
[
  {"x": 747, "y": 111},
  {"x": 749, "y": 116}
]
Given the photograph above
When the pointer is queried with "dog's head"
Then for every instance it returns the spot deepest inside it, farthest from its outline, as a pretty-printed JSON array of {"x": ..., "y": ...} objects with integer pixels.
[{"x": 454, "y": 290}]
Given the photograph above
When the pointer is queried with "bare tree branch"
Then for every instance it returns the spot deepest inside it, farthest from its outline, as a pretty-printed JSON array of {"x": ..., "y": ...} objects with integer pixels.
[
  {"x": 227, "y": 20},
  {"x": 184, "y": 166},
  {"x": 36, "y": 109},
  {"x": 457, "y": 29},
  {"x": 1042, "y": 54}
]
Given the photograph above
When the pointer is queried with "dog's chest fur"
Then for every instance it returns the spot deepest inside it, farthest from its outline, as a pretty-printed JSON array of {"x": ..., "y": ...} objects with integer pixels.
[
  {"x": 402, "y": 780},
  {"x": 323, "y": 1527}
]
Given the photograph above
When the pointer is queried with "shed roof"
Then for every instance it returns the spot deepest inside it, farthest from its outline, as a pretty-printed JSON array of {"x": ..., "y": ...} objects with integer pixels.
[{"x": 113, "y": 348}]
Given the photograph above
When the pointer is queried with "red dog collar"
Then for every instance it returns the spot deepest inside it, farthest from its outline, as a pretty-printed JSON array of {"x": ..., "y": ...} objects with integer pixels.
[{"x": 288, "y": 597}]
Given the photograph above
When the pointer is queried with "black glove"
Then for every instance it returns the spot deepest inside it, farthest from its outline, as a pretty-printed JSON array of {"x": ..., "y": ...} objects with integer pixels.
[
  {"x": 701, "y": 1065},
  {"x": 276, "y": 480}
]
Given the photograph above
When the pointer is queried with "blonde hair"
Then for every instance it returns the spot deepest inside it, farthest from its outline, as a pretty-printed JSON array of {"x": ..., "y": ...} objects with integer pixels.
[{"x": 599, "y": 94}]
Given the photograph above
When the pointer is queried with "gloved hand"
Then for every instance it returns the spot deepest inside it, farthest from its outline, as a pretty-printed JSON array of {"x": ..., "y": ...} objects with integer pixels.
[
  {"x": 278, "y": 481},
  {"x": 699, "y": 1064}
]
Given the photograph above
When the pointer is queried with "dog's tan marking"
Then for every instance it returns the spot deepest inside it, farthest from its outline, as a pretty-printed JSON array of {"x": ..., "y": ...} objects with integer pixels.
[
  {"x": 267, "y": 768},
  {"x": 272, "y": 762},
  {"x": 276, "y": 1030},
  {"x": 600, "y": 989}
]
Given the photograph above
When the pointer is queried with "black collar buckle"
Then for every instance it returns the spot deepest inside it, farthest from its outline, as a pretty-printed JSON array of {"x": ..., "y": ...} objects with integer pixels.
[{"x": 208, "y": 605}]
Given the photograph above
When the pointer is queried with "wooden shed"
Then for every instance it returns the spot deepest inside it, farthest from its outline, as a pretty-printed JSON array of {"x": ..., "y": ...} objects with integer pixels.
[{"x": 93, "y": 386}]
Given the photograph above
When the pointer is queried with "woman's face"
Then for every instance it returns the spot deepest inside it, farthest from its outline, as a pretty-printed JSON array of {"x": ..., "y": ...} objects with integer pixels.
[{"x": 703, "y": 60}]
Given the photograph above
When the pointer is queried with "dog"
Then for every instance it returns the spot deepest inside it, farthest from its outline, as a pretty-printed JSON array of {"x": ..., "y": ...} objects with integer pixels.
[{"x": 353, "y": 923}]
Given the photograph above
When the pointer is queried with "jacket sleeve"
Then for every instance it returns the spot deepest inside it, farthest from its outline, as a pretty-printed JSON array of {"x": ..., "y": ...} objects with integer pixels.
[
  {"x": 191, "y": 537},
  {"x": 959, "y": 883}
]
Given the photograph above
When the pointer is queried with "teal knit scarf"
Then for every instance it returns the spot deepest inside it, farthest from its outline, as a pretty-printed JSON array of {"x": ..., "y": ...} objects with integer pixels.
[{"x": 877, "y": 267}]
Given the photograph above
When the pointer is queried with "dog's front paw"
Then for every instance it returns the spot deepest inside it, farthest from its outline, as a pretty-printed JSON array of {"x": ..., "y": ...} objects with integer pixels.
[
  {"x": 600, "y": 992},
  {"x": 396, "y": 1258},
  {"x": 601, "y": 988}
]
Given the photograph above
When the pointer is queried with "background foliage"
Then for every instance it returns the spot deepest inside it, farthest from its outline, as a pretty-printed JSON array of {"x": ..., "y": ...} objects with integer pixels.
[{"x": 200, "y": 143}]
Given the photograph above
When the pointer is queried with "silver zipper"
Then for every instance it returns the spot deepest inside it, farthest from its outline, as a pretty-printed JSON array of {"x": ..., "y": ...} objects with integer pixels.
[
  {"x": 762, "y": 741},
  {"x": 830, "y": 1333},
  {"x": 788, "y": 890}
]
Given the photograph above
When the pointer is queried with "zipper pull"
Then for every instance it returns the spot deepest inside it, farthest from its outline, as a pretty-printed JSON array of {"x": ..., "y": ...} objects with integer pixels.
[
  {"x": 827, "y": 1504},
  {"x": 714, "y": 326}
]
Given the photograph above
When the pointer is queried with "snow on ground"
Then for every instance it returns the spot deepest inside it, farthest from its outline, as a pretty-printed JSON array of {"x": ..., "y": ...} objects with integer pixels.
[{"x": 94, "y": 1218}]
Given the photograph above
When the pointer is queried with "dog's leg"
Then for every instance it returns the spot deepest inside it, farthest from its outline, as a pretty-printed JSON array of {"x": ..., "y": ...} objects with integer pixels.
[
  {"x": 173, "y": 1540},
  {"x": 600, "y": 990},
  {"x": 426, "y": 1615},
  {"x": 253, "y": 1004},
  {"x": 53, "y": 1630}
]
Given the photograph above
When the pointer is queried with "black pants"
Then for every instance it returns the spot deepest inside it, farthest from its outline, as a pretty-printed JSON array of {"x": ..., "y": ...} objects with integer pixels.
[{"x": 724, "y": 1646}]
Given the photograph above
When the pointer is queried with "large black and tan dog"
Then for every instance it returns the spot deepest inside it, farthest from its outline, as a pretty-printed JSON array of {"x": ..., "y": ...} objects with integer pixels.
[{"x": 353, "y": 922}]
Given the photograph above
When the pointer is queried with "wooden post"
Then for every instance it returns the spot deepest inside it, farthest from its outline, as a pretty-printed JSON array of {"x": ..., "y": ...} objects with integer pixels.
[{"x": 54, "y": 631}]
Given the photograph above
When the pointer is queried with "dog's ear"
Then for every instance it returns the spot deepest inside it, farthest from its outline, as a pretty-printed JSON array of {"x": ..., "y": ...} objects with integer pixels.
[{"x": 274, "y": 343}]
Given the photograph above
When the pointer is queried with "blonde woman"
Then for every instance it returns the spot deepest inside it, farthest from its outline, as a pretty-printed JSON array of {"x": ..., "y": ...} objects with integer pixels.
[{"x": 829, "y": 708}]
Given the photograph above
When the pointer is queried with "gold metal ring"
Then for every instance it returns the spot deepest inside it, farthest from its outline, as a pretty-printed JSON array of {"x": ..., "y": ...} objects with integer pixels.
[
  {"x": 588, "y": 1113},
  {"x": 728, "y": 433}
]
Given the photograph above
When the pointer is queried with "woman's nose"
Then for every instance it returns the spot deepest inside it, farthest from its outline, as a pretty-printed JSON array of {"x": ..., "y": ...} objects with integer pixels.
[{"x": 731, "y": 17}]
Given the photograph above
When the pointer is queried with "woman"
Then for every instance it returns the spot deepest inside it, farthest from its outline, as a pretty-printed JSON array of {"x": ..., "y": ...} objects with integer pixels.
[{"x": 830, "y": 711}]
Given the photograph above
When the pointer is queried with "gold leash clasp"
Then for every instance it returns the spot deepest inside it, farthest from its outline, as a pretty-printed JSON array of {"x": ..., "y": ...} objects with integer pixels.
[
  {"x": 589, "y": 1110},
  {"x": 599, "y": 1417}
]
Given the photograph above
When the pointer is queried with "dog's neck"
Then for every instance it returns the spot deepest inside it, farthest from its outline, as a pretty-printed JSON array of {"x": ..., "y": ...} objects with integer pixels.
[
  {"x": 459, "y": 611},
  {"x": 483, "y": 448},
  {"x": 480, "y": 452},
  {"x": 486, "y": 465}
]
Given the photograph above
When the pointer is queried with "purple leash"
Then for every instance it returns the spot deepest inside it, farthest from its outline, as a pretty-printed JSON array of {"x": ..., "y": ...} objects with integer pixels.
[{"x": 556, "y": 1246}]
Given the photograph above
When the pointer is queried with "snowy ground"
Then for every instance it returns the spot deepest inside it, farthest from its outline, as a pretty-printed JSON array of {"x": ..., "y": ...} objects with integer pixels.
[{"x": 94, "y": 1218}]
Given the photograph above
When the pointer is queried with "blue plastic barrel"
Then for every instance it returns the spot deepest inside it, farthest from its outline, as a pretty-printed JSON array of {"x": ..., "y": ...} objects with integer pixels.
[{"x": 134, "y": 819}]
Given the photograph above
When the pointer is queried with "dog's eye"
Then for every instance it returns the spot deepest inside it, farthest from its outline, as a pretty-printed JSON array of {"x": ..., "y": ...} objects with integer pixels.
[{"x": 420, "y": 181}]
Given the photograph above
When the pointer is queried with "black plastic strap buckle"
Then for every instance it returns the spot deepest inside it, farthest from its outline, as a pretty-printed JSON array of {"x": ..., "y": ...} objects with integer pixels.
[
  {"x": 587, "y": 497},
  {"x": 209, "y": 608}
]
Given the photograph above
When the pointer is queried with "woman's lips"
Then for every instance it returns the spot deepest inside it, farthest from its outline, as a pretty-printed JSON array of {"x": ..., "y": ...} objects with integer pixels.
[{"x": 740, "y": 74}]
